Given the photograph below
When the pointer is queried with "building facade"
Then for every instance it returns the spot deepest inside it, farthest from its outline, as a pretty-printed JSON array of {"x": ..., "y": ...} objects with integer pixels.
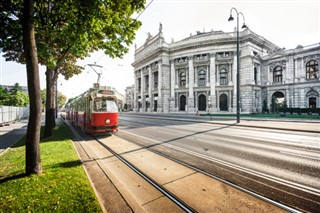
[
  {"x": 199, "y": 74},
  {"x": 129, "y": 98}
]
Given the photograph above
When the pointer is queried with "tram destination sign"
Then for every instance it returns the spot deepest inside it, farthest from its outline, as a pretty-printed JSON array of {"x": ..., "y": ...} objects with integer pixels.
[{"x": 106, "y": 92}]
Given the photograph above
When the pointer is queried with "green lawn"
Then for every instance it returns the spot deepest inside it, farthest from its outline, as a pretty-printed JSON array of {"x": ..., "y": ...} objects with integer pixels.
[{"x": 63, "y": 186}]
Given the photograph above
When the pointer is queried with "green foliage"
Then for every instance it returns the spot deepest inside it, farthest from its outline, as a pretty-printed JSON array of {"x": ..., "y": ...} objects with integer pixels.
[
  {"x": 61, "y": 98},
  {"x": 19, "y": 99},
  {"x": 63, "y": 187},
  {"x": 60, "y": 37},
  {"x": 283, "y": 106},
  {"x": 43, "y": 96},
  {"x": 3, "y": 94},
  {"x": 16, "y": 97},
  {"x": 265, "y": 107},
  {"x": 273, "y": 104}
]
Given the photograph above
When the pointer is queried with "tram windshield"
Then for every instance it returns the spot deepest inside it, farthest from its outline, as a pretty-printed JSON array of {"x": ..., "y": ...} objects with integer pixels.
[{"x": 105, "y": 105}]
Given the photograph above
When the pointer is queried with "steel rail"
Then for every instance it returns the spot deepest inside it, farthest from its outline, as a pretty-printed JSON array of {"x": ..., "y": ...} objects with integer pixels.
[
  {"x": 164, "y": 191},
  {"x": 278, "y": 204},
  {"x": 168, "y": 194}
]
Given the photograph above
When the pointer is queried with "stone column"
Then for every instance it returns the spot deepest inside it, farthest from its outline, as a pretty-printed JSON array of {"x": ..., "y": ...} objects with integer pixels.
[
  {"x": 159, "y": 86},
  {"x": 142, "y": 109},
  {"x": 218, "y": 75},
  {"x": 229, "y": 75},
  {"x": 187, "y": 76},
  {"x": 287, "y": 72},
  {"x": 172, "y": 75},
  {"x": 231, "y": 79},
  {"x": 302, "y": 74},
  {"x": 234, "y": 71},
  {"x": 190, "y": 102},
  {"x": 259, "y": 74},
  {"x": 213, "y": 83},
  {"x": 207, "y": 76},
  {"x": 296, "y": 71},
  {"x": 150, "y": 88}
]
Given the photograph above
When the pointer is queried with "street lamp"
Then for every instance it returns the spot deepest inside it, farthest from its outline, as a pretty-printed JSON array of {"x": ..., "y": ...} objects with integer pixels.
[{"x": 238, "y": 60}]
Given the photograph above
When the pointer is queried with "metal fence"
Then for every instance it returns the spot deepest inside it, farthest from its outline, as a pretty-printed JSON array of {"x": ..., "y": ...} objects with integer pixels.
[{"x": 10, "y": 114}]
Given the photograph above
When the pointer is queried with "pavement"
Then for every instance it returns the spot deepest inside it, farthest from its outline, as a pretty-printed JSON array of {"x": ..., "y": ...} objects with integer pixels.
[{"x": 12, "y": 133}]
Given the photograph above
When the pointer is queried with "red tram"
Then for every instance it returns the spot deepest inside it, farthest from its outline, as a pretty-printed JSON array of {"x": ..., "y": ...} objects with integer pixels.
[{"x": 95, "y": 111}]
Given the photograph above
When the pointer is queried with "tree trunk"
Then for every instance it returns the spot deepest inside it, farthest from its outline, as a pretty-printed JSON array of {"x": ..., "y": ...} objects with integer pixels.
[
  {"x": 50, "y": 109},
  {"x": 33, "y": 160}
]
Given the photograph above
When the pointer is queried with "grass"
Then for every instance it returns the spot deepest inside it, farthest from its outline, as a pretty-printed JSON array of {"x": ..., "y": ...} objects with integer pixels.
[
  {"x": 276, "y": 115},
  {"x": 63, "y": 186}
]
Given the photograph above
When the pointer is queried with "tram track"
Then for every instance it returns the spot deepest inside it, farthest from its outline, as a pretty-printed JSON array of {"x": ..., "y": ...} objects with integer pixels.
[
  {"x": 185, "y": 207},
  {"x": 180, "y": 203},
  {"x": 289, "y": 193},
  {"x": 228, "y": 165},
  {"x": 158, "y": 186}
]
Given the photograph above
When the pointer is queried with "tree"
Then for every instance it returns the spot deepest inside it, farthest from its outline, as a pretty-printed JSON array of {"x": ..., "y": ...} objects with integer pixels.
[
  {"x": 19, "y": 99},
  {"x": 16, "y": 97},
  {"x": 16, "y": 88},
  {"x": 273, "y": 104},
  {"x": 61, "y": 99},
  {"x": 4, "y": 94},
  {"x": 17, "y": 33},
  {"x": 43, "y": 97},
  {"x": 265, "y": 107},
  {"x": 33, "y": 160},
  {"x": 61, "y": 39}
]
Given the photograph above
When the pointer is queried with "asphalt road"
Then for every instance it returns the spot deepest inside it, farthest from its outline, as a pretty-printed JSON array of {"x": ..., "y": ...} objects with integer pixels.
[{"x": 287, "y": 160}]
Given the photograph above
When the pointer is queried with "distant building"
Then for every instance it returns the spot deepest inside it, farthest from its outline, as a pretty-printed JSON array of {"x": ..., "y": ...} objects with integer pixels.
[
  {"x": 11, "y": 87},
  {"x": 199, "y": 74},
  {"x": 120, "y": 98},
  {"x": 129, "y": 97}
]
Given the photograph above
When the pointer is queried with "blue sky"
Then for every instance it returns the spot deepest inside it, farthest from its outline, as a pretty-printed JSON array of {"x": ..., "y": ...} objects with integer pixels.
[{"x": 285, "y": 23}]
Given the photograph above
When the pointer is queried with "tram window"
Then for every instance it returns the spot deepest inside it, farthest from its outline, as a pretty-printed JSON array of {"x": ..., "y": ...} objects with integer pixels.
[
  {"x": 105, "y": 105},
  {"x": 111, "y": 106}
]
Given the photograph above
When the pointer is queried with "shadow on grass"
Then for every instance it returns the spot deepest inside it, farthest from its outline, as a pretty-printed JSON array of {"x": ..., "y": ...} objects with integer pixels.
[
  {"x": 69, "y": 164},
  {"x": 12, "y": 177}
]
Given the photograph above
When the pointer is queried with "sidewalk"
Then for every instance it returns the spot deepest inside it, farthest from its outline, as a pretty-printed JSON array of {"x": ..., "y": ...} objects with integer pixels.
[{"x": 11, "y": 134}]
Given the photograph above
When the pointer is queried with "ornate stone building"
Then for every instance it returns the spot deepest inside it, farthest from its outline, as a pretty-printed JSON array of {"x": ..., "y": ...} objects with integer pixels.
[{"x": 199, "y": 74}]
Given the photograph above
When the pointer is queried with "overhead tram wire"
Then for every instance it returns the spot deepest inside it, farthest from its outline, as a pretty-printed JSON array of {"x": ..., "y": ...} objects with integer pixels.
[{"x": 143, "y": 10}]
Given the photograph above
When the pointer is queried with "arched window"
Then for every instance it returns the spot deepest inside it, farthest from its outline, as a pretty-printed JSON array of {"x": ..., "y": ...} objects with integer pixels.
[
  {"x": 312, "y": 69},
  {"x": 182, "y": 79},
  {"x": 223, "y": 77},
  {"x": 183, "y": 102},
  {"x": 223, "y": 99},
  {"x": 201, "y": 78},
  {"x": 277, "y": 74},
  {"x": 202, "y": 103}
]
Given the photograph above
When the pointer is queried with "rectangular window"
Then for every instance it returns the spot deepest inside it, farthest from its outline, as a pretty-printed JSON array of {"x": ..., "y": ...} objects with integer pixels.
[
  {"x": 155, "y": 80},
  {"x": 255, "y": 75}
]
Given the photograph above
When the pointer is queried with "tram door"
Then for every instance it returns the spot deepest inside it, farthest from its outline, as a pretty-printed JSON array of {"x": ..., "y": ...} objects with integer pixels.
[{"x": 87, "y": 115}]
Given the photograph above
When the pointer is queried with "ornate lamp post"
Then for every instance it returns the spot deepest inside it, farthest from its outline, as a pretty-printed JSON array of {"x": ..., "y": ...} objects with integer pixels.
[{"x": 238, "y": 60}]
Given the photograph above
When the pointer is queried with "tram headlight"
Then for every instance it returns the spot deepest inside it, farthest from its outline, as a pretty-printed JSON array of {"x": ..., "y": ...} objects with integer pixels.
[{"x": 107, "y": 121}]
